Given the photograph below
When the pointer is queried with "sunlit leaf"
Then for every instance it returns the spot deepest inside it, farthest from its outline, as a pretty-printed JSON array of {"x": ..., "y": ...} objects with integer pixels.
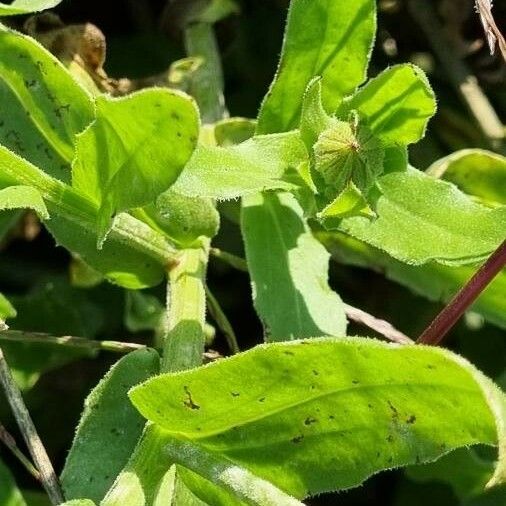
[
  {"x": 325, "y": 414},
  {"x": 328, "y": 39},
  {"x": 289, "y": 271},
  {"x": 43, "y": 108},
  {"x": 255, "y": 165},
  {"x": 144, "y": 139},
  {"x": 397, "y": 104},
  {"x": 476, "y": 172},
  {"x": 26, "y": 6},
  {"x": 421, "y": 219}
]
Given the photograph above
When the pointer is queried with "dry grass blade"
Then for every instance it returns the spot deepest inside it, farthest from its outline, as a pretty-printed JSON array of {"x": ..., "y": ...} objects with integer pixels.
[{"x": 494, "y": 35}]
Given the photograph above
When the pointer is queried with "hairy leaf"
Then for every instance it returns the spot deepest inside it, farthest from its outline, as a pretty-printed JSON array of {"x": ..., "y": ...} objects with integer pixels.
[
  {"x": 289, "y": 271},
  {"x": 421, "y": 219},
  {"x": 108, "y": 430},
  {"x": 182, "y": 218},
  {"x": 134, "y": 150},
  {"x": 26, "y": 6},
  {"x": 23, "y": 197},
  {"x": 240, "y": 482},
  {"x": 325, "y": 414},
  {"x": 43, "y": 108},
  {"x": 328, "y": 39},
  {"x": 432, "y": 280},
  {"x": 396, "y": 105},
  {"x": 476, "y": 172},
  {"x": 123, "y": 259},
  {"x": 252, "y": 166}
]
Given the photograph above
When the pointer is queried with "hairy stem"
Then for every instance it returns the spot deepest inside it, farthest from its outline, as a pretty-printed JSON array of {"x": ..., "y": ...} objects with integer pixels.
[
  {"x": 32, "y": 439},
  {"x": 447, "y": 318},
  {"x": 186, "y": 303}
]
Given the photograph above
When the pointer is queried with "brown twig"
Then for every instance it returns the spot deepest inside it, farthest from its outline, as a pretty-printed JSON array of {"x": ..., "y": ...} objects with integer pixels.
[
  {"x": 381, "y": 326},
  {"x": 492, "y": 32},
  {"x": 447, "y": 318},
  {"x": 32, "y": 439}
]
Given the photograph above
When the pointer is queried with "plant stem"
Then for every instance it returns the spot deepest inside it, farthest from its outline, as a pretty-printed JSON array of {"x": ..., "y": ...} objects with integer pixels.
[
  {"x": 447, "y": 318},
  {"x": 381, "y": 326},
  {"x": 230, "y": 259},
  {"x": 10, "y": 442},
  {"x": 186, "y": 303},
  {"x": 68, "y": 341},
  {"x": 221, "y": 319},
  {"x": 207, "y": 85},
  {"x": 32, "y": 439}
]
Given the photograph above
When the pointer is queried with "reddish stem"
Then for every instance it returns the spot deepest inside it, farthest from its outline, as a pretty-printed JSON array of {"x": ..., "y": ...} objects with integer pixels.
[{"x": 449, "y": 316}]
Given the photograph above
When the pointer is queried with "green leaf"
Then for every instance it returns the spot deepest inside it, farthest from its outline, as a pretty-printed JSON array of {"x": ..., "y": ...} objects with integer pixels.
[
  {"x": 7, "y": 310},
  {"x": 431, "y": 280},
  {"x": 397, "y": 104},
  {"x": 26, "y": 6},
  {"x": 23, "y": 197},
  {"x": 126, "y": 258},
  {"x": 172, "y": 490},
  {"x": 232, "y": 131},
  {"x": 289, "y": 271},
  {"x": 328, "y": 39},
  {"x": 240, "y": 482},
  {"x": 78, "y": 502},
  {"x": 108, "y": 430},
  {"x": 421, "y": 219},
  {"x": 9, "y": 492},
  {"x": 143, "y": 312},
  {"x": 182, "y": 218},
  {"x": 473, "y": 472},
  {"x": 255, "y": 165},
  {"x": 145, "y": 139},
  {"x": 476, "y": 172},
  {"x": 326, "y": 414},
  {"x": 43, "y": 108}
]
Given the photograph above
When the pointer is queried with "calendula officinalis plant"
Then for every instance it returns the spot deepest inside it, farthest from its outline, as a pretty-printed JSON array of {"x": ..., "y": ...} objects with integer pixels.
[{"x": 131, "y": 184}]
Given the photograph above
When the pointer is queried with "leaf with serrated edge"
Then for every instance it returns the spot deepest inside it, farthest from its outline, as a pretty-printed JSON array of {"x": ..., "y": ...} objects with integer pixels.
[
  {"x": 289, "y": 270},
  {"x": 43, "y": 107},
  {"x": 23, "y": 197},
  {"x": 255, "y": 165},
  {"x": 397, "y": 104},
  {"x": 134, "y": 150},
  {"x": 422, "y": 219},
  {"x": 325, "y": 414},
  {"x": 328, "y": 39}
]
